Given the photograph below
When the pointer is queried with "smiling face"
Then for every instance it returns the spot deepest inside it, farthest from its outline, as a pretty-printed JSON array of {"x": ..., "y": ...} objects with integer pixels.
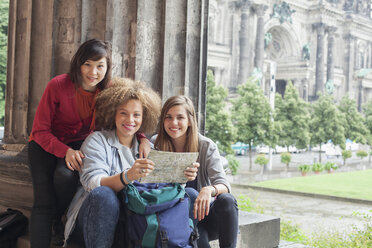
[
  {"x": 176, "y": 123},
  {"x": 128, "y": 120},
  {"x": 93, "y": 72}
]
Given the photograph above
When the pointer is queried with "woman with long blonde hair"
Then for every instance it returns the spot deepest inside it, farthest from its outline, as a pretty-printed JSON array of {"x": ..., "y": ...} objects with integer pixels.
[{"x": 214, "y": 210}]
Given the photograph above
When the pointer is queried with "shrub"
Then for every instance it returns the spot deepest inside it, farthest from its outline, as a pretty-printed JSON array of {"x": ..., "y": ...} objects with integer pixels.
[
  {"x": 285, "y": 158},
  {"x": 361, "y": 154},
  {"x": 261, "y": 160},
  {"x": 292, "y": 232},
  {"x": 346, "y": 154},
  {"x": 317, "y": 167},
  {"x": 246, "y": 204},
  {"x": 233, "y": 164},
  {"x": 330, "y": 166},
  {"x": 304, "y": 168}
]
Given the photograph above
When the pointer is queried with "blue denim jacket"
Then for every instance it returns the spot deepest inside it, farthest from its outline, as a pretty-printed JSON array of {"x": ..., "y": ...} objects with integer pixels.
[{"x": 104, "y": 156}]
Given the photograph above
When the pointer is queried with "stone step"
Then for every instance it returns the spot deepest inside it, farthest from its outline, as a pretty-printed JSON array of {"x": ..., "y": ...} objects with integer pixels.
[
  {"x": 256, "y": 230},
  {"x": 15, "y": 179}
]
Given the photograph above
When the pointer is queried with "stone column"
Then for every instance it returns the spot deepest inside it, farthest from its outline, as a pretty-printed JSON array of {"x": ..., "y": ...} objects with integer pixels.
[
  {"x": 163, "y": 42},
  {"x": 121, "y": 27},
  {"x": 305, "y": 91},
  {"x": 331, "y": 48},
  {"x": 147, "y": 55},
  {"x": 244, "y": 37},
  {"x": 93, "y": 20},
  {"x": 18, "y": 71},
  {"x": 349, "y": 60},
  {"x": 235, "y": 47},
  {"x": 260, "y": 34},
  {"x": 360, "y": 94},
  {"x": 319, "y": 70},
  {"x": 41, "y": 68},
  {"x": 67, "y": 31}
]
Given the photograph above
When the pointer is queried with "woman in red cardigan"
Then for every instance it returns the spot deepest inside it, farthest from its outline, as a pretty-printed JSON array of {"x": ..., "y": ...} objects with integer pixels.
[{"x": 63, "y": 119}]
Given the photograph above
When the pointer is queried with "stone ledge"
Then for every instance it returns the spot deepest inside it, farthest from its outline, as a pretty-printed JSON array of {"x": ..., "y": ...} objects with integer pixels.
[
  {"x": 15, "y": 181},
  {"x": 256, "y": 231}
]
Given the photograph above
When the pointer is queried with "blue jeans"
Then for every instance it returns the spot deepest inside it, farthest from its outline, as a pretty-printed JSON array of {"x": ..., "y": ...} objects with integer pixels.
[
  {"x": 221, "y": 223},
  {"x": 97, "y": 218}
]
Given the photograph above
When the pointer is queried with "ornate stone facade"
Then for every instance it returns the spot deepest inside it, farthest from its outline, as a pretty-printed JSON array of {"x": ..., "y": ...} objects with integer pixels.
[
  {"x": 319, "y": 45},
  {"x": 162, "y": 42}
]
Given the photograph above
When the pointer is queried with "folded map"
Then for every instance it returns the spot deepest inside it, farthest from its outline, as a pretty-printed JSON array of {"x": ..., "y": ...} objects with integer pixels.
[{"x": 169, "y": 166}]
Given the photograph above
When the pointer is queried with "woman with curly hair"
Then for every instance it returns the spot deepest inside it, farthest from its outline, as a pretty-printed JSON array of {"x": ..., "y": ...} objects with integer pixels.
[
  {"x": 215, "y": 210},
  {"x": 111, "y": 160}
]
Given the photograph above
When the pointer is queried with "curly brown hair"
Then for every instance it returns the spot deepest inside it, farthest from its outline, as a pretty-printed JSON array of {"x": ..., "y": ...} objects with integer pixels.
[{"x": 119, "y": 92}]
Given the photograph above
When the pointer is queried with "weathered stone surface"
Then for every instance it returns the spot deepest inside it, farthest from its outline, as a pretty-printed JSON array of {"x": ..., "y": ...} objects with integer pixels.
[
  {"x": 15, "y": 181},
  {"x": 256, "y": 231},
  {"x": 160, "y": 42}
]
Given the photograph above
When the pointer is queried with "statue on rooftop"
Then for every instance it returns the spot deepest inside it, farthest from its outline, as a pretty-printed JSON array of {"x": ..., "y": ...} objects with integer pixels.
[{"x": 283, "y": 12}]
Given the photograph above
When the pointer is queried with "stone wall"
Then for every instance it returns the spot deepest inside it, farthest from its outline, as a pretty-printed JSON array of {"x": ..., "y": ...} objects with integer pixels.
[{"x": 160, "y": 42}]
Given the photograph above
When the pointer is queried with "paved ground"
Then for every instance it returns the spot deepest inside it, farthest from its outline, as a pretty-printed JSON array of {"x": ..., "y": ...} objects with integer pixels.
[{"x": 311, "y": 214}]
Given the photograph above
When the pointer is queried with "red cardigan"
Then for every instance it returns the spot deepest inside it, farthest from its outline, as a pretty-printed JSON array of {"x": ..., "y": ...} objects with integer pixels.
[{"x": 57, "y": 121}]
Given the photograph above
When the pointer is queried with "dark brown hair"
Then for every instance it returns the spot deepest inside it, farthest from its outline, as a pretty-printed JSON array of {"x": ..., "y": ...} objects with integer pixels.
[
  {"x": 119, "y": 92},
  {"x": 91, "y": 50},
  {"x": 163, "y": 140}
]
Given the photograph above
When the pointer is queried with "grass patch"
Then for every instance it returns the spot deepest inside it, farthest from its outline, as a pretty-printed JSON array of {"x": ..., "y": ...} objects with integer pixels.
[
  {"x": 356, "y": 238},
  {"x": 355, "y": 184}
]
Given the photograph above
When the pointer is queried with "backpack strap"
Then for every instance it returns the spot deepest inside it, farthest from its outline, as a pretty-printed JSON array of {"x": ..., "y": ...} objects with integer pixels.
[
  {"x": 194, "y": 238},
  {"x": 164, "y": 239}
]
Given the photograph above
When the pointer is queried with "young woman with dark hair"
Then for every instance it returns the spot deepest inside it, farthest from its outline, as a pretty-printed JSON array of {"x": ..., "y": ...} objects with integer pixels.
[{"x": 63, "y": 119}]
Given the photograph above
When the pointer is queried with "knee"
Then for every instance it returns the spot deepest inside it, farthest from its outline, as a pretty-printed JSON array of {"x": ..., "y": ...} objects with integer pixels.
[
  {"x": 192, "y": 193},
  {"x": 63, "y": 175},
  {"x": 227, "y": 203},
  {"x": 105, "y": 199}
]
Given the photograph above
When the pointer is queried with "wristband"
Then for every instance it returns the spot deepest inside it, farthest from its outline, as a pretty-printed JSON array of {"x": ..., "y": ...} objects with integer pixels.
[
  {"x": 121, "y": 179},
  {"x": 126, "y": 177},
  {"x": 216, "y": 190}
]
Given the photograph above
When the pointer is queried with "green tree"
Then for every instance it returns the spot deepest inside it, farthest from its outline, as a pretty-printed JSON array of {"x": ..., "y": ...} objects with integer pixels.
[
  {"x": 4, "y": 9},
  {"x": 286, "y": 158},
  {"x": 361, "y": 154},
  {"x": 292, "y": 117},
  {"x": 326, "y": 123},
  {"x": 353, "y": 121},
  {"x": 251, "y": 115},
  {"x": 234, "y": 164},
  {"x": 367, "y": 111},
  {"x": 218, "y": 124},
  {"x": 261, "y": 160},
  {"x": 346, "y": 154}
]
